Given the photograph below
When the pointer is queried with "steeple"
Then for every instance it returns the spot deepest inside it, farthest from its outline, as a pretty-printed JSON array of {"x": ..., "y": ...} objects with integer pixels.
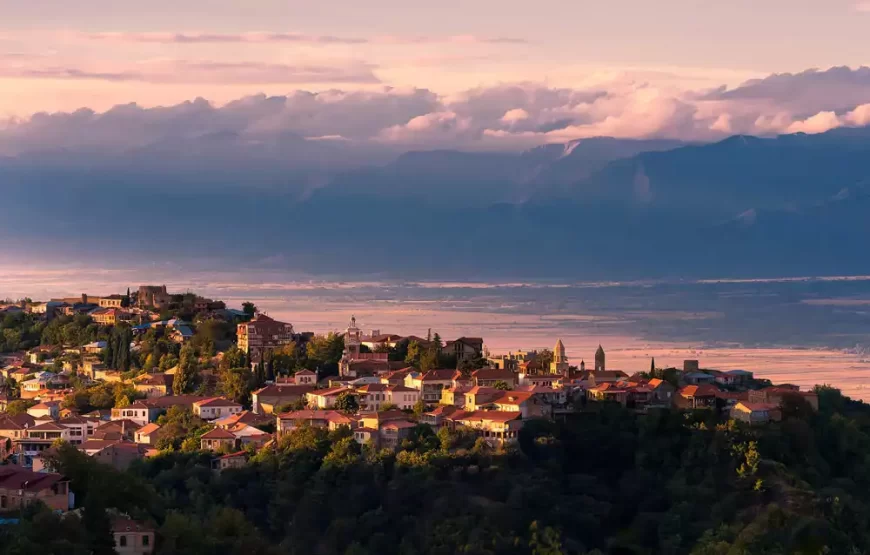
[
  {"x": 599, "y": 359},
  {"x": 560, "y": 359}
]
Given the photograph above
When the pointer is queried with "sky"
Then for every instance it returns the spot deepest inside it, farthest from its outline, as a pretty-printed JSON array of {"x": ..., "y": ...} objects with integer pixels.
[{"x": 658, "y": 68}]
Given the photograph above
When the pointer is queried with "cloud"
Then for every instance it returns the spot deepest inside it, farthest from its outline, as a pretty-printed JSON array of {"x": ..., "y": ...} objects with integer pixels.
[
  {"x": 193, "y": 71},
  {"x": 265, "y": 38},
  {"x": 507, "y": 116},
  {"x": 863, "y": 7}
]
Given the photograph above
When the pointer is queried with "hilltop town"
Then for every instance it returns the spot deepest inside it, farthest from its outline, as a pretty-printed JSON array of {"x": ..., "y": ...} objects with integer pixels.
[{"x": 128, "y": 377}]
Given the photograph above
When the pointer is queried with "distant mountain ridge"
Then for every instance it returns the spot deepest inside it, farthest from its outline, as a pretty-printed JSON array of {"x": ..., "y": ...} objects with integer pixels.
[{"x": 589, "y": 209}]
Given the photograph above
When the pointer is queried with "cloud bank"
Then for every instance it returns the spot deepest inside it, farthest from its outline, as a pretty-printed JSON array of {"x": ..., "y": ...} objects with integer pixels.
[{"x": 508, "y": 116}]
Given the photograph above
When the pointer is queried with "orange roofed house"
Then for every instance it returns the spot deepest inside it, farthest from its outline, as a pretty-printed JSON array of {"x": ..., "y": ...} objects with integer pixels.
[
  {"x": 131, "y": 537},
  {"x": 262, "y": 334},
  {"x": 20, "y": 487}
]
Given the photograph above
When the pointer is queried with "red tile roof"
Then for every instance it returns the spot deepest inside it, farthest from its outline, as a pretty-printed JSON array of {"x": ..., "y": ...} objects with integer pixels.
[
  {"x": 16, "y": 478},
  {"x": 217, "y": 433}
]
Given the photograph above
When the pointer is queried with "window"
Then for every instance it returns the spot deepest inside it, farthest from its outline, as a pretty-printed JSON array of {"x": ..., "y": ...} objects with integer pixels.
[
  {"x": 122, "y": 541},
  {"x": 146, "y": 540},
  {"x": 2, "y": 502}
]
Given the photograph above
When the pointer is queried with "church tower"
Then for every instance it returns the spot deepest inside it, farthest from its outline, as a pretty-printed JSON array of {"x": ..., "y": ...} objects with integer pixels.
[
  {"x": 560, "y": 359},
  {"x": 599, "y": 359},
  {"x": 352, "y": 340}
]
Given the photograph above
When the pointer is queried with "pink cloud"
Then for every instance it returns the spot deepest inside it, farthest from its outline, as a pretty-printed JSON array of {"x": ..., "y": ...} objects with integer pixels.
[{"x": 264, "y": 37}]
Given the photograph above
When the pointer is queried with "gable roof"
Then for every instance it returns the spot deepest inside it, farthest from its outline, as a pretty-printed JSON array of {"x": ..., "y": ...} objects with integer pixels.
[
  {"x": 216, "y": 402},
  {"x": 443, "y": 374},
  {"x": 218, "y": 433},
  {"x": 148, "y": 429},
  {"x": 703, "y": 390},
  {"x": 15, "y": 478}
]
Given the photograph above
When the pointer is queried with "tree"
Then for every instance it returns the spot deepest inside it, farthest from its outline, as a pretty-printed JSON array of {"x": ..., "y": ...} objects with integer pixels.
[
  {"x": 233, "y": 358},
  {"x": 187, "y": 372},
  {"x": 17, "y": 407},
  {"x": 324, "y": 352},
  {"x": 249, "y": 308},
  {"x": 235, "y": 384},
  {"x": 420, "y": 408},
  {"x": 502, "y": 385},
  {"x": 347, "y": 402}
]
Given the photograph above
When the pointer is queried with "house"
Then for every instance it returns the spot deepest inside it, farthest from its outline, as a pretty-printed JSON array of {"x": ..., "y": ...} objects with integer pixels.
[
  {"x": 131, "y": 537},
  {"x": 433, "y": 381},
  {"x": 120, "y": 429},
  {"x": 437, "y": 417},
  {"x": 20, "y": 487},
  {"x": 372, "y": 396},
  {"x": 305, "y": 377},
  {"x": 608, "y": 391},
  {"x": 262, "y": 334},
  {"x": 541, "y": 380},
  {"x": 14, "y": 427},
  {"x": 391, "y": 434},
  {"x": 153, "y": 296},
  {"x": 331, "y": 419},
  {"x": 662, "y": 392},
  {"x": 180, "y": 333},
  {"x": 489, "y": 377},
  {"x": 94, "y": 348},
  {"x": 266, "y": 399},
  {"x": 244, "y": 417},
  {"x": 774, "y": 395},
  {"x": 697, "y": 396},
  {"x": 496, "y": 427},
  {"x": 326, "y": 398},
  {"x": 455, "y": 395},
  {"x": 365, "y": 435},
  {"x": 118, "y": 454},
  {"x": 147, "y": 434},
  {"x": 109, "y": 316},
  {"x": 697, "y": 378},
  {"x": 592, "y": 378},
  {"x": 154, "y": 385},
  {"x": 479, "y": 397},
  {"x": 528, "y": 403},
  {"x": 403, "y": 397},
  {"x": 216, "y": 407},
  {"x": 756, "y": 413},
  {"x": 218, "y": 440},
  {"x": 735, "y": 377},
  {"x": 464, "y": 348},
  {"x": 231, "y": 460},
  {"x": 138, "y": 412},
  {"x": 48, "y": 431},
  {"x": 50, "y": 409}
]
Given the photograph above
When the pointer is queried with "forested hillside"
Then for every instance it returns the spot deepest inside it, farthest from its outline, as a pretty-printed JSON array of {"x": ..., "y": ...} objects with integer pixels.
[{"x": 605, "y": 481}]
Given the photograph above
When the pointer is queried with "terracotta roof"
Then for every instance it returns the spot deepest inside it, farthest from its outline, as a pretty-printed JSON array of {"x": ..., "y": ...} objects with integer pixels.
[
  {"x": 372, "y": 387},
  {"x": 125, "y": 524},
  {"x": 331, "y": 391},
  {"x": 96, "y": 444},
  {"x": 148, "y": 429},
  {"x": 218, "y": 433},
  {"x": 704, "y": 390},
  {"x": 306, "y": 414},
  {"x": 494, "y": 374},
  {"x": 234, "y": 455},
  {"x": 217, "y": 402},
  {"x": 442, "y": 410},
  {"x": 514, "y": 397},
  {"x": 15, "y": 478},
  {"x": 487, "y": 415},
  {"x": 126, "y": 423},
  {"x": 48, "y": 427},
  {"x": 400, "y": 389},
  {"x": 16, "y": 422},
  {"x": 281, "y": 389}
]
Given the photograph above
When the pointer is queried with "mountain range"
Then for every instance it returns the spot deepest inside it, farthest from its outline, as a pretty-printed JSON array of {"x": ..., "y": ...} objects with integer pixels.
[{"x": 591, "y": 209}]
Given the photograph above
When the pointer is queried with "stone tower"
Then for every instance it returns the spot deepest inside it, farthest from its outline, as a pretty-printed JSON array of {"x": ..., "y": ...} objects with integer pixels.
[
  {"x": 352, "y": 340},
  {"x": 599, "y": 359},
  {"x": 560, "y": 360}
]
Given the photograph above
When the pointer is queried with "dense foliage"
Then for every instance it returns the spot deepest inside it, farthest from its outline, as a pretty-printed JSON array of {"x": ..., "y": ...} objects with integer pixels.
[{"x": 603, "y": 481}]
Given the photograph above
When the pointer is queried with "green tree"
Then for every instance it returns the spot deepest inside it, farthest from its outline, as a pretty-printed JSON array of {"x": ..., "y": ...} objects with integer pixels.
[
  {"x": 347, "y": 402},
  {"x": 502, "y": 385},
  {"x": 19, "y": 406},
  {"x": 187, "y": 373},
  {"x": 249, "y": 308},
  {"x": 235, "y": 384}
]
